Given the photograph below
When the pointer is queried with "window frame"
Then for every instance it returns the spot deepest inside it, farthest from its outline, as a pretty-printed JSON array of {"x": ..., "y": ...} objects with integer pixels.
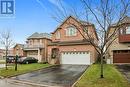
[
  {"x": 71, "y": 31},
  {"x": 128, "y": 30}
]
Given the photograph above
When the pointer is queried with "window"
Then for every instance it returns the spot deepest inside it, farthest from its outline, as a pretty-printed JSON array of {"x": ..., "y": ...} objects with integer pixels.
[
  {"x": 71, "y": 31},
  {"x": 35, "y": 42},
  {"x": 57, "y": 35},
  {"x": 128, "y": 30},
  {"x": 86, "y": 31},
  {"x": 30, "y": 42},
  {"x": 121, "y": 31},
  {"x": 40, "y": 41}
]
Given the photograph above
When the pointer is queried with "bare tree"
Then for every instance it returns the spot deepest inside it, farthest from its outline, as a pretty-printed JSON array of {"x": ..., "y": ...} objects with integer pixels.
[
  {"x": 103, "y": 13},
  {"x": 7, "y": 42}
]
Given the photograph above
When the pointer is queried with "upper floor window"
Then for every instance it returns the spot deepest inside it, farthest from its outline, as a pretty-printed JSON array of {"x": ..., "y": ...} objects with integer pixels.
[
  {"x": 35, "y": 41},
  {"x": 58, "y": 35},
  {"x": 128, "y": 30},
  {"x": 85, "y": 30},
  {"x": 71, "y": 31},
  {"x": 40, "y": 41},
  {"x": 30, "y": 42}
]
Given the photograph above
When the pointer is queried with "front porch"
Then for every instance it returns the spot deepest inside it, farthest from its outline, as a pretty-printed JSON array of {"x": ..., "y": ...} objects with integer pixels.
[{"x": 37, "y": 53}]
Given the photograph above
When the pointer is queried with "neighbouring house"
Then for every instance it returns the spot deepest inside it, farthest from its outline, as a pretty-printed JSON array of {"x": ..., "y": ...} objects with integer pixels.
[
  {"x": 18, "y": 50},
  {"x": 10, "y": 52},
  {"x": 36, "y": 46},
  {"x": 1, "y": 53},
  {"x": 119, "y": 51},
  {"x": 68, "y": 46}
]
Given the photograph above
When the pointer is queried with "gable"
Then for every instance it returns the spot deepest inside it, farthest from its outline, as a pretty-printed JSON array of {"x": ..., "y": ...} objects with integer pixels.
[
  {"x": 65, "y": 22},
  {"x": 70, "y": 21}
]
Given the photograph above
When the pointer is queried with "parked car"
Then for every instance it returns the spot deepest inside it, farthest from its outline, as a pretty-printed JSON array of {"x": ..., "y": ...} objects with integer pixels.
[
  {"x": 27, "y": 60},
  {"x": 10, "y": 59}
]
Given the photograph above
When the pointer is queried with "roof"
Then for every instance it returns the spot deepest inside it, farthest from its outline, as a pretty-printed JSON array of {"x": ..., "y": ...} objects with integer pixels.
[
  {"x": 40, "y": 35},
  {"x": 125, "y": 20},
  {"x": 21, "y": 45},
  {"x": 80, "y": 21},
  {"x": 63, "y": 43},
  {"x": 85, "y": 22},
  {"x": 32, "y": 48}
]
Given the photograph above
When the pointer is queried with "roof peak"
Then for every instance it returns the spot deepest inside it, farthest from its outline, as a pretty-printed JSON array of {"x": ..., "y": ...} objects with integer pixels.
[{"x": 82, "y": 22}]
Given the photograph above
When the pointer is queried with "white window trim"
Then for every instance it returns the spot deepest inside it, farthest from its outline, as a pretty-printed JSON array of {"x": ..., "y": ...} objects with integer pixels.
[
  {"x": 128, "y": 30},
  {"x": 71, "y": 31}
]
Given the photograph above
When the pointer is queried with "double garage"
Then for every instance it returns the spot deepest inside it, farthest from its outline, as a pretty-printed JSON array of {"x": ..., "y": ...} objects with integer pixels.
[
  {"x": 80, "y": 58},
  {"x": 121, "y": 56}
]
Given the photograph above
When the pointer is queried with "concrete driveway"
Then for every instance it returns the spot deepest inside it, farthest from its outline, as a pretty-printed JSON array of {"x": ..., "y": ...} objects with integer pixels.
[
  {"x": 125, "y": 70},
  {"x": 60, "y": 75}
]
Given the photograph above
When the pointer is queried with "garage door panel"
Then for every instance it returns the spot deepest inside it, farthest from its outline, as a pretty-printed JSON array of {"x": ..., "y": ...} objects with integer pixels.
[
  {"x": 82, "y": 58},
  {"x": 35, "y": 56},
  {"x": 121, "y": 57}
]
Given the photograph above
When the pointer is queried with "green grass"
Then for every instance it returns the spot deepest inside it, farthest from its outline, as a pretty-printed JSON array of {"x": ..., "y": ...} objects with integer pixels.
[
  {"x": 22, "y": 68},
  {"x": 112, "y": 77},
  {"x": 2, "y": 61}
]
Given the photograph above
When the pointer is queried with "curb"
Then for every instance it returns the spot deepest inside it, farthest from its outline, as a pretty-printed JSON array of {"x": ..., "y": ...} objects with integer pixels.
[
  {"x": 1, "y": 77},
  {"x": 31, "y": 83}
]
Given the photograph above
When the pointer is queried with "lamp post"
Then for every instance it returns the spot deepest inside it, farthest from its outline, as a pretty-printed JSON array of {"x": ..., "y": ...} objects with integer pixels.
[{"x": 16, "y": 59}]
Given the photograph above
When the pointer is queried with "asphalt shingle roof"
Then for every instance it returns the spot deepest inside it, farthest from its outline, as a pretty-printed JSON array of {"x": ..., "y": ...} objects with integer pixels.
[
  {"x": 40, "y": 35},
  {"x": 85, "y": 22},
  {"x": 126, "y": 19}
]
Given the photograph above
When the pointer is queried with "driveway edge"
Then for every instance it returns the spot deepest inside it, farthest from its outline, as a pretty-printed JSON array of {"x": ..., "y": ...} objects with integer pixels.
[
  {"x": 80, "y": 76},
  {"x": 122, "y": 73}
]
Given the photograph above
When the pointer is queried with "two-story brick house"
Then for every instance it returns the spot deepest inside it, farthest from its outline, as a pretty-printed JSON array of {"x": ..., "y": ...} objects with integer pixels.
[
  {"x": 36, "y": 46},
  {"x": 68, "y": 45},
  {"x": 119, "y": 51},
  {"x": 18, "y": 50}
]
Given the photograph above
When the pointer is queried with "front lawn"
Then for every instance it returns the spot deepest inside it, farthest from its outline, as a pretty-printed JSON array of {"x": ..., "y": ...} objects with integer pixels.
[
  {"x": 113, "y": 77},
  {"x": 22, "y": 68},
  {"x": 2, "y": 61}
]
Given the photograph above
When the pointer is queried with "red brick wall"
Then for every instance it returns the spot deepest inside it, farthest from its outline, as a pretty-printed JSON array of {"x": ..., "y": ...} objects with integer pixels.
[
  {"x": 93, "y": 53},
  {"x": 63, "y": 27}
]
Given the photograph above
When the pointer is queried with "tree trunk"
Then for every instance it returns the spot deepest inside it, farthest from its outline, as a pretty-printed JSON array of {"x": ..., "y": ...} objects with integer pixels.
[
  {"x": 102, "y": 66},
  {"x": 6, "y": 58}
]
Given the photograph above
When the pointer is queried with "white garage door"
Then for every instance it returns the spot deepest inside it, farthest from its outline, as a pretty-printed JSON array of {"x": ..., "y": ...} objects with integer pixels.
[
  {"x": 81, "y": 58},
  {"x": 30, "y": 55}
]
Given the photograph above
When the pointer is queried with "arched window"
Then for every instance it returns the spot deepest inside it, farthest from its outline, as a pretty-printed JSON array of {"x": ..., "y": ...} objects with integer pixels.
[{"x": 71, "y": 31}]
